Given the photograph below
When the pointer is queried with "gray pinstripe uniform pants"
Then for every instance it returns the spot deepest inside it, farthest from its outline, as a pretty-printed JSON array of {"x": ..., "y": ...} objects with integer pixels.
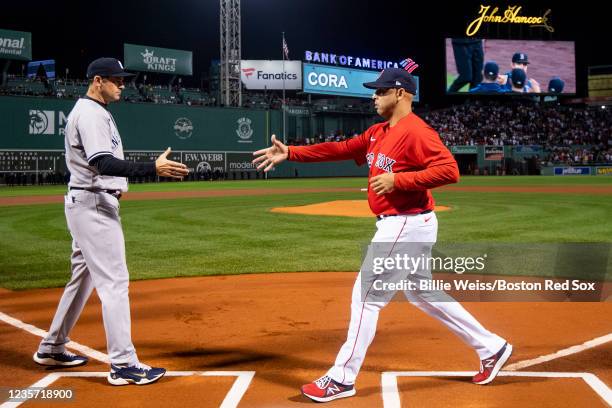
[{"x": 98, "y": 261}]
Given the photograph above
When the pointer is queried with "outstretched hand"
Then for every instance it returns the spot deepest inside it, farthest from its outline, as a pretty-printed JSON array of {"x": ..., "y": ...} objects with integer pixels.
[
  {"x": 169, "y": 168},
  {"x": 267, "y": 158}
]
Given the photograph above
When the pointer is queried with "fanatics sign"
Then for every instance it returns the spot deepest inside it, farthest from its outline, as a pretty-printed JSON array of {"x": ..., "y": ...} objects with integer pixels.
[{"x": 268, "y": 74}]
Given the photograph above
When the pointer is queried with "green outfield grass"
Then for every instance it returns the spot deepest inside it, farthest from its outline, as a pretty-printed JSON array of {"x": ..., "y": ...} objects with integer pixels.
[
  {"x": 357, "y": 182},
  {"x": 449, "y": 80},
  {"x": 230, "y": 235}
]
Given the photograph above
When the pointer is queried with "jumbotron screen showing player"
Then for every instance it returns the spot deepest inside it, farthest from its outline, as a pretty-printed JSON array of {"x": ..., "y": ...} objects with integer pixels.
[{"x": 476, "y": 66}]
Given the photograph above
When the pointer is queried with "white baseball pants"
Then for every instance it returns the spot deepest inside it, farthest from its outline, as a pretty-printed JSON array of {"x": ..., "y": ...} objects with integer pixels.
[
  {"x": 98, "y": 261},
  {"x": 420, "y": 228}
]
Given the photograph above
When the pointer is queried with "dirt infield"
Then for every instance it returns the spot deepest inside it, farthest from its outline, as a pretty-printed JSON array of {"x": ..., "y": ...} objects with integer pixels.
[
  {"x": 338, "y": 208},
  {"x": 168, "y": 195},
  {"x": 288, "y": 327}
]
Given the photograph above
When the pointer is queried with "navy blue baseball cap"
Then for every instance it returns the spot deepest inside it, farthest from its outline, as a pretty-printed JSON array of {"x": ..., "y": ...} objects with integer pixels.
[
  {"x": 520, "y": 57},
  {"x": 518, "y": 77},
  {"x": 556, "y": 85},
  {"x": 106, "y": 67},
  {"x": 394, "y": 78},
  {"x": 491, "y": 70}
]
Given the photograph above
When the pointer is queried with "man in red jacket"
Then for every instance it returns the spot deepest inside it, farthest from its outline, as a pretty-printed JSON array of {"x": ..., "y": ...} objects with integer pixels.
[{"x": 406, "y": 159}]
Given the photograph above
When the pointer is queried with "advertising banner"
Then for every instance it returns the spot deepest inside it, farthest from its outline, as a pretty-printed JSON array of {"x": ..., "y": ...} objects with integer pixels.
[
  {"x": 604, "y": 171},
  {"x": 572, "y": 171},
  {"x": 156, "y": 59},
  {"x": 464, "y": 149},
  {"x": 494, "y": 153},
  {"x": 267, "y": 74},
  {"x": 15, "y": 45},
  {"x": 330, "y": 80}
]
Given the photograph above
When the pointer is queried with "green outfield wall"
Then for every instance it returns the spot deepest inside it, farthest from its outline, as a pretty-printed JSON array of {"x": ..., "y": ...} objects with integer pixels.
[
  {"x": 39, "y": 123},
  {"x": 212, "y": 138}
]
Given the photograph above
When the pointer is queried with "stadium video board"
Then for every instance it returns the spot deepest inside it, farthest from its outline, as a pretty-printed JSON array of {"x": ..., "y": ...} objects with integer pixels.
[
  {"x": 488, "y": 66},
  {"x": 47, "y": 66},
  {"x": 332, "y": 80}
]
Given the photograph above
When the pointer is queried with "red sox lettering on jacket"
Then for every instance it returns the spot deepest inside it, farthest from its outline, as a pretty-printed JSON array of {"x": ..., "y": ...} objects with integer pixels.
[{"x": 411, "y": 149}]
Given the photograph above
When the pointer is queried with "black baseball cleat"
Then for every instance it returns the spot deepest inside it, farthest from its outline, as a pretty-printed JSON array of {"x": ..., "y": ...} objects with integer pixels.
[
  {"x": 63, "y": 359},
  {"x": 139, "y": 374}
]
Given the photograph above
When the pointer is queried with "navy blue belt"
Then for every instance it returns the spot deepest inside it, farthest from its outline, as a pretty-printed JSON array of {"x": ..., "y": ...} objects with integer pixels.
[
  {"x": 380, "y": 217},
  {"x": 114, "y": 193}
]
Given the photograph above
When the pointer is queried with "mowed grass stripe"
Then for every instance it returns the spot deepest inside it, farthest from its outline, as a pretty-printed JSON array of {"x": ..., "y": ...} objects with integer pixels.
[
  {"x": 332, "y": 182},
  {"x": 229, "y": 235}
]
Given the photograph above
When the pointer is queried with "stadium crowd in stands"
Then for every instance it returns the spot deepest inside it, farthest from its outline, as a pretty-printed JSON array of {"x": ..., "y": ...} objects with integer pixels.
[
  {"x": 149, "y": 93},
  {"x": 521, "y": 123},
  {"x": 568, "y": 134}
]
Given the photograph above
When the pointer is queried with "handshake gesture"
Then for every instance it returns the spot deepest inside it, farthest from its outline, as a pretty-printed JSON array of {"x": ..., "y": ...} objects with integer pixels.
[
  {"x": 267, "y": 158},
  {"x": 169, "y": 168}
]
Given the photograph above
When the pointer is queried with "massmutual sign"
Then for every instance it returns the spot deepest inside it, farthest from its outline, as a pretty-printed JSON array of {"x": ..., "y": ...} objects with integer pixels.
[
  {"x": 156, "y": 59},
  {"x": 15, "y": 45}
]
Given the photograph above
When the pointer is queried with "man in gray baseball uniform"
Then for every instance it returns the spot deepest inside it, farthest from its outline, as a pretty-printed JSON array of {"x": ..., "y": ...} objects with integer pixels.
[{"x": 98, "y": 177}]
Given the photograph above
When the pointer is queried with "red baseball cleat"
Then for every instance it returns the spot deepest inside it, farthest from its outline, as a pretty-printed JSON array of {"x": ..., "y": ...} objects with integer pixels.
[
  {"x": 325, "y": 389},
  {"x": 489, "y": 367}
]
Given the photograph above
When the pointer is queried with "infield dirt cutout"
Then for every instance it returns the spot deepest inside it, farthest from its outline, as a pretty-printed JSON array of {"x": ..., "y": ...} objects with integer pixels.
[
  {"x": 341, "y": 208},
  {"x": 288, "y": 327}
]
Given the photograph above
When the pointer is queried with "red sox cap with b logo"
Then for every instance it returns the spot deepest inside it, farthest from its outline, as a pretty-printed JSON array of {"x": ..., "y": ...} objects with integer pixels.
[{"x": 394, "y": 78}]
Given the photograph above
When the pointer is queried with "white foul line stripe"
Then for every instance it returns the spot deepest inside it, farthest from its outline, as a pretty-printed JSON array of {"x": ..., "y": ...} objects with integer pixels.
[
  {"x": 87, "y": 351},
  {"x": 391, "y": 397},
  {"x": 561, "y": 353},
  {"x": 231, "y": 400},
  {"x": 43, "y": 383}
]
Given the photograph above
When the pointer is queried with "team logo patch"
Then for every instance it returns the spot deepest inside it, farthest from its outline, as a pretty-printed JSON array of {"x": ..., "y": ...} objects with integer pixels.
[
  {"x": 370, "y": 159},
  {"x": 183, "y": 128},
  {"x": 203, "y": 167},
  {"x": 244, "y": 130},
  {"x": 42, "y": 122}
]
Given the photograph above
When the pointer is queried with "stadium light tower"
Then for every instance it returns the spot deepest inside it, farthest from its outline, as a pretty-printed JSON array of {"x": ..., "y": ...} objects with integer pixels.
[{"x": 231, "y": 89}]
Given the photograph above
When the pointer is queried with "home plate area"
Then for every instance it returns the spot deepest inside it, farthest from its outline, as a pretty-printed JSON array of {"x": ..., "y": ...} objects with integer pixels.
[{"x": 227, "y": 389}]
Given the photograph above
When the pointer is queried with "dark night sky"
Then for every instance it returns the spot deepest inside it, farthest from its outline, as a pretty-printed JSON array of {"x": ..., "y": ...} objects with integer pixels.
[{"x": 382, "y": 29}]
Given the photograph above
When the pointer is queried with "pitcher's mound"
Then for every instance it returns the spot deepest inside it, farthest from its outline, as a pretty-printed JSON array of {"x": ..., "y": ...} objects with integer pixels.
[{"x": 343, "y": 208}]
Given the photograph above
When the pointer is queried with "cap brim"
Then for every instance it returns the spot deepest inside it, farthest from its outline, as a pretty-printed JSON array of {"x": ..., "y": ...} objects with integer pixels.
[
  {"x": 374, "y": 85},
  {"x": 124, "y": 74}
]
